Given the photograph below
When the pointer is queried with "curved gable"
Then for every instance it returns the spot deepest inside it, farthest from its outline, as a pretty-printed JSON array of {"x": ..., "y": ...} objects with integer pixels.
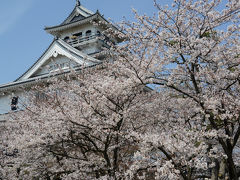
[{"x": 51, "y": 58}]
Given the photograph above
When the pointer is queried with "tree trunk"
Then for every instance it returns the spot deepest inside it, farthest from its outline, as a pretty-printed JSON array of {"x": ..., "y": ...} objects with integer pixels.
[
  {"x": 215, "y": 171},
  {"x": 222, "y": 170},
  {"x": 231, "y": 168}
]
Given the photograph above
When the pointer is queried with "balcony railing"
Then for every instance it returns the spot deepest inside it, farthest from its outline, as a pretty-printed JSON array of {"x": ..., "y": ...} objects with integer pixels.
[{"x": 76, "y": 41}]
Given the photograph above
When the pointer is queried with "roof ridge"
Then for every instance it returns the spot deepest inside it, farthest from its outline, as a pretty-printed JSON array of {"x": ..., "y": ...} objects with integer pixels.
[
  {"x": 77, "y": 8},
  {"x": 78, "y": 3},
  {"x": 46, "y": 28},
  {"x": 87, "y": 11}
]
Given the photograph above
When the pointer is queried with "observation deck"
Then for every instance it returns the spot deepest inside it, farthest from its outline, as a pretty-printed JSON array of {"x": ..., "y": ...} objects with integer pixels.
[{"x": 80, "y": 41}]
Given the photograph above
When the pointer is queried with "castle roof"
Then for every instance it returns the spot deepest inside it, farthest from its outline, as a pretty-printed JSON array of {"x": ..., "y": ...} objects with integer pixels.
[
  {"x": 80, "y": 16},
  {"x": 57, "y": 47}
]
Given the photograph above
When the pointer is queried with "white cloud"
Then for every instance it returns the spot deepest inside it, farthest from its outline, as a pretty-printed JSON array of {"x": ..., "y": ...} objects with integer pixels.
[{"x": 11, "y": 11}]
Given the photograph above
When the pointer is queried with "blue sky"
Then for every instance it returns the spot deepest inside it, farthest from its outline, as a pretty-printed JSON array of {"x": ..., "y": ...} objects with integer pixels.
[{"x": 22, "y": 38}]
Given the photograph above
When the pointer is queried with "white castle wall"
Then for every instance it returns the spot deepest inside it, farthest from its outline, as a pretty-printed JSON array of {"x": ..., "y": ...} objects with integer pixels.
[
  {"x": 5, "y": 104},
  {"x": 84, "y": 28},
  {"x": 90, "y": 47}
]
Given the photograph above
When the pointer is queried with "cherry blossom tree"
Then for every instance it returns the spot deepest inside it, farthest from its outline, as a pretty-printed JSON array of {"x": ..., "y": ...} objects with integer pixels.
[
  {"x": 79, "y": 126},
  {"x": 190, "y": 53},
  {"x": 106, "y": 123}
]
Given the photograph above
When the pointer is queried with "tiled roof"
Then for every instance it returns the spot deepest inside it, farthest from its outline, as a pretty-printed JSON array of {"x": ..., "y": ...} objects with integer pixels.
[{"x": 79, "y": 13}]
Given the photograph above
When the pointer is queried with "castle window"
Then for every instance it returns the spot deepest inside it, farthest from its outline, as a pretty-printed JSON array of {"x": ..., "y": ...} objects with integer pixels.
[
  {"x": 78, "y": 34},
  {"x": 88, "y": 33},
  {"x": 98, "y": 33},
  {"x": 14, "y": 103},
  {"x": 66, "y": 39}
]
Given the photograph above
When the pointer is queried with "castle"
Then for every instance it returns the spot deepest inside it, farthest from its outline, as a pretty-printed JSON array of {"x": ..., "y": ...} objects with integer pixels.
[{"x": 78, "y": 41}]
